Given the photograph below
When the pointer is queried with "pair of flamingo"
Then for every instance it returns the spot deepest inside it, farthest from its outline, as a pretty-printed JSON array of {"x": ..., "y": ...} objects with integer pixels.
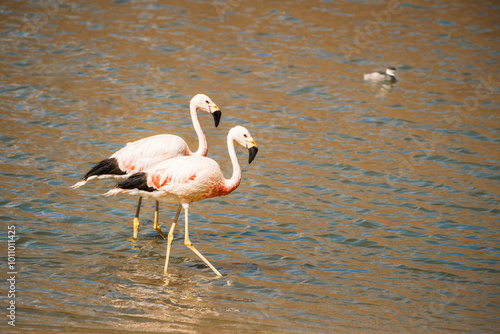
[{"x": 164, "y": 168}]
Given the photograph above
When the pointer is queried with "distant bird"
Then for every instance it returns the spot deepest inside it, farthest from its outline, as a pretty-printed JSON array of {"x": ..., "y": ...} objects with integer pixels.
[
  {"x": 389, "y": 75},
  {"x": 142, "y": 154},
  {"x": 189, "y": 179}
]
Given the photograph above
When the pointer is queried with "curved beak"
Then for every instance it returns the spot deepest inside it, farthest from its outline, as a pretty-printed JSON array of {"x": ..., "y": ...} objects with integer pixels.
[
  {"x": 252, "y": 149},
  {"x": 217, "y": 115}
]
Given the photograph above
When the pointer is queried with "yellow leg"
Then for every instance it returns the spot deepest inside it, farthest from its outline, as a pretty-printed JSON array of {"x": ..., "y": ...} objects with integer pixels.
[
  {"x": 136, "y": 219},
  {"x": 156, "y": 225},
  {"x": 189, "y": 244},
  {"x": 171, "y": 238}
]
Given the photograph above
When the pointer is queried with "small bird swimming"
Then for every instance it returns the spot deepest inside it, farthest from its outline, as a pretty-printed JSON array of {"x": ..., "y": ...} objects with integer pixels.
[{"x": 389, "y": 75}]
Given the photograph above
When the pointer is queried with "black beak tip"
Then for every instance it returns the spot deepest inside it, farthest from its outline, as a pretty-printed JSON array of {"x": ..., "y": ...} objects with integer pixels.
[
  {"x": 252, "y": 152},
  {"x": 217, "y": 115}
]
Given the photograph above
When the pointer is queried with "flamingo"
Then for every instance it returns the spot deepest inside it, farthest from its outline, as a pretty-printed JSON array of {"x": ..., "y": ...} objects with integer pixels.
[
  {"x": 189, "y": 179},
  {"x": 140, "y": 155}
]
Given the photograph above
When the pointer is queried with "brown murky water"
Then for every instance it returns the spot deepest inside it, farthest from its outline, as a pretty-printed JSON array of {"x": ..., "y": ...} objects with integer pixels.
[{"x": 369, "y": 208}]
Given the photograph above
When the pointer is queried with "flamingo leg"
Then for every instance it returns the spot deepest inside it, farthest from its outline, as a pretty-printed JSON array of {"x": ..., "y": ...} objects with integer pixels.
[
  {"x": 136, "y": 218},
  {"x": 171, "y": 238},
  {"x": 189, "y": 244},
  {"x": 156, "y": 225}
]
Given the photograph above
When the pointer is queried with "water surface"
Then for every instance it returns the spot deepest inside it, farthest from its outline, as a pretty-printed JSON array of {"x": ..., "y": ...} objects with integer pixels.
[{"x": 369, "y": 208}]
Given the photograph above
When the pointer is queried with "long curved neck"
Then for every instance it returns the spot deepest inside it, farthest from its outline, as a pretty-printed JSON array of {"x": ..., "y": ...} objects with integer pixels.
[
  {"x": 202, "y": 140},
  {"x": 235, "y": 180}
]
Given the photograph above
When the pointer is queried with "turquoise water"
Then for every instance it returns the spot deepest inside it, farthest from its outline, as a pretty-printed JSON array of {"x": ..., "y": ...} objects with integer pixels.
[{"x": 369, "y": 207}]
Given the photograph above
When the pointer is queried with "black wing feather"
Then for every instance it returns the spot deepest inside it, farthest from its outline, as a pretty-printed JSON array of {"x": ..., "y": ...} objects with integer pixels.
[
  {"x": 105, "y": 167},
  {"x": 136, "y": 181}
]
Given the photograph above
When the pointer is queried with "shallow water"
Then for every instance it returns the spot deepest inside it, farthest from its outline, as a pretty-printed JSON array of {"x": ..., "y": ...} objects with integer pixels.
[{"x": 369, "y": 208}]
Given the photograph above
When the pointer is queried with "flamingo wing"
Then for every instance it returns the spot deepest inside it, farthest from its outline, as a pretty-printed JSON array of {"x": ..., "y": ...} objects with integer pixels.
[
  {"x": 185, "y": 175},
  {"x": 144, "y": 153}
]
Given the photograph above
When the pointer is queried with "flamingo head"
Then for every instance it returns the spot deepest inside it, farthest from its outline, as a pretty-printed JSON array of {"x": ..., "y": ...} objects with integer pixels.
[
  {"x": 243, "y": 137},
  {"x": 203, "y": 102}
]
